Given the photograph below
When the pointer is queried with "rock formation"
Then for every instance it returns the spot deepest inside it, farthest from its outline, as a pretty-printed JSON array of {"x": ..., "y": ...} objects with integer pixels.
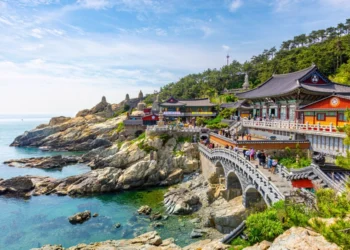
[
  {"x": 120, "y": 169},
  {"x": 80, "y": 217},
  {"x": 297, "y": 238},
  {"x": 147, "y": 241},
  {"x": 57, "y": 161}
]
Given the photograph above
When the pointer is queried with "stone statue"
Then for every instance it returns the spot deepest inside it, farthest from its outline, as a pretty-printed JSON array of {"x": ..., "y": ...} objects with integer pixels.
[
  {"x": 104, "y": 100},
  {"x": 246, "y": 82},
  {"x": 127, "y": 98},
  {"x": 318, "y": 158},
  {"x": 155, "y": 104}
]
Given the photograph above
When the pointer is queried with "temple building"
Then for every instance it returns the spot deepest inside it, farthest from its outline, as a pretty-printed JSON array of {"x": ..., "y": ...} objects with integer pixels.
[
  {"x": 299, "y": 96},
  {"x": 187, "y": 109},
  {"x": 242, "y": 107}
]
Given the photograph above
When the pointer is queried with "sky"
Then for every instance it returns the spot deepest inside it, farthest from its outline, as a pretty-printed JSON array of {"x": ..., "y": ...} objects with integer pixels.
[{"x": 62, "y": 56}]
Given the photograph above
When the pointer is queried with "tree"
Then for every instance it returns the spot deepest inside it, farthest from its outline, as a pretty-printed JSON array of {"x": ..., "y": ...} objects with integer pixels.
[
  {"x": 344, "y": 161},
  {"x": 343, "y": 74},
  {"x": 226, "y": 113}
]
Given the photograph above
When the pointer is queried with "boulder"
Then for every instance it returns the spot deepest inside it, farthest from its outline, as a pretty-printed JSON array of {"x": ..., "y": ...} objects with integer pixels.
[
  {"x": 264, "y": 245},
  {"x": 298, "y": 238},
  {"x": 17, "y": 186},
  {"x": 58, "y": 120},
  {"x": 181, "y": 201},
  {"x": 50, "y": 162},
  {"x": 80, "y": 217},
  {"x": 146, "y": 210}
]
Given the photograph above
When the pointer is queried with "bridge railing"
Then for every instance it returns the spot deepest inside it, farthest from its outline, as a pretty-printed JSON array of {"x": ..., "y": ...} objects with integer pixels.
[
  {"x": 252, "y": 170},
  {"x": 293, "y": 126}
]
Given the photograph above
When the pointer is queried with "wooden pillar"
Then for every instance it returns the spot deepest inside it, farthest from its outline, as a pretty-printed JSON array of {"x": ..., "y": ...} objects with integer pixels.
[
  {"x": 279, "y": 111},
  {"x": 336, "y": 119},
  {"x": 287, "y": 112},
  {"x": 261, "y": 107}
]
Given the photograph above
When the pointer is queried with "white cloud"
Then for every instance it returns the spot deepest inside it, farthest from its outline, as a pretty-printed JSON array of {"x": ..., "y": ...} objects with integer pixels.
[
  {"x": 5, "y": 21},
  {"x": 235, "y": 4},
  {"x": 207, "y": 31},
  {"x": 337, "y": 3},
  {"x": 94, "y": 4},
  {"x": 38, "y": 33},
  {"x": 284, "y": 5},
  {"x": 226, "y": 48}
]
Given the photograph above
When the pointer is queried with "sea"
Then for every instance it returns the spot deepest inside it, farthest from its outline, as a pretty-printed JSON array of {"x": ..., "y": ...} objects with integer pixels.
[{"x": 40, "y": 220}]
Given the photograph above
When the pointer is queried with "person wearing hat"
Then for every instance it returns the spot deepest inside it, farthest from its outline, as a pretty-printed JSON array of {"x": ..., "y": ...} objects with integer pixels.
[{"x": 244, "y": 150}]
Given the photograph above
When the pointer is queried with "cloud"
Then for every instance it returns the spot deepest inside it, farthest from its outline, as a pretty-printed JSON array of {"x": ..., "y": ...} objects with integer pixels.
[
  {"x": 207, "y": 31},
  {"x": 5, "y": 21},
  {"x": 284, "y": 5},
  {"x": 235, "y": 4},
  {"x": 337, "y": 3},
  {"x": 225, "y": 47},
  {"x": 94, "y": 4}
]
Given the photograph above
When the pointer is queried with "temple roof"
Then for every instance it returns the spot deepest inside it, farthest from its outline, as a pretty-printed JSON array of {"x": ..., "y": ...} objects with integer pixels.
[
  {"x": 172, "y": 102},
  {"x": 284, "y": 84},
  {"x": 238, "y": 104}
]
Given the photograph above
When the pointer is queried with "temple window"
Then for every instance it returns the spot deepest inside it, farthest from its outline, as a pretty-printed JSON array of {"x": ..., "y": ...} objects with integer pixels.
[
  {"x": 341, "y": 117},
  {"x": 321, "y": 116}
]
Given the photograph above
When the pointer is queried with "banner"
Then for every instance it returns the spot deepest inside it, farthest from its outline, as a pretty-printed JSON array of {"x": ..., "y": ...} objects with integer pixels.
[{"x": 202, "y": 113}]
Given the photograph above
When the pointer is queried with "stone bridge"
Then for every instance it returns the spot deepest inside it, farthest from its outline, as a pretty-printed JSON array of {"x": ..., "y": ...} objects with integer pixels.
[{"x": 237, "y": 176}]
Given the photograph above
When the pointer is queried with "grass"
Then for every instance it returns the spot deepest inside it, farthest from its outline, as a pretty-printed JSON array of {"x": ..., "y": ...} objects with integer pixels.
[{"x": 120, "y": 127}]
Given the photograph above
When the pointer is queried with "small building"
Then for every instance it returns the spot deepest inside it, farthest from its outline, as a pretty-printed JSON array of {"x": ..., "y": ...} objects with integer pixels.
[
  {"x": 150, "y": 119},
  {"x": 329, "y": 110},
  {"x": 187, "y": 109},
  {"x": 243, "y": 108}
]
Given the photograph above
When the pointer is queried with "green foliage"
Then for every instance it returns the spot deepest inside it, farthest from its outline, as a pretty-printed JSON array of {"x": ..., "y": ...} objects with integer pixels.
[
  {"x": 120, "y": 127},
  {"x": 179, "y": 153},
  {"x": 200, "y": 121},
  {"x": 332, "y": 205},
  {"x": 337, "y": 232},
  {"x": 290, "y": 162},
  {"x": 343, "y": 74},
  {"x": 165, "y": 138},
  {"x": 145, "y": 147},
  {"x": 263, "y": 226},
  {"x": 226, "y": 113},
  {"x": 120, "y": 144},
  {"x": 182, "y": 139},
  {"x": 213, "y": 121},
  {"x": 122, "y": 110},
  {"x": 142, "y": 136},
  {"x": 239, "y": 244},
  {"x": 218, "y": 126}
]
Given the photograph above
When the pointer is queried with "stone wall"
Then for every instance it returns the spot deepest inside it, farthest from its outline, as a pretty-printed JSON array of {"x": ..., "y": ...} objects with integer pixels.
[{"x": 207, "y": 167}]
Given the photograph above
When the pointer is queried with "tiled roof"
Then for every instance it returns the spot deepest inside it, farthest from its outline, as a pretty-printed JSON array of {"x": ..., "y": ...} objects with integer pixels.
[
  {"x": 286, "y": 83},
  {"x": 237, "y": 104},
  {"x": 190, "y": 103}
]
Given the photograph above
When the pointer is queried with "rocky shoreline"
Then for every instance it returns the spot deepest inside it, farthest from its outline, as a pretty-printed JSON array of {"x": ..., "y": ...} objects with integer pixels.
[{"x": 52, "y": 162}]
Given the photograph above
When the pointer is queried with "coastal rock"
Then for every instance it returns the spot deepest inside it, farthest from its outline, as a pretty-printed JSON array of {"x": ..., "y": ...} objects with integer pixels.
[
  {"x": 298, "y": 238},
  {"x": 147, "y": 241},
  {"x": 145, "y": 210},
  {"x": 88, "y": 130},
  {"x": 18, "y": 186},
  {"x": 80, "y": 217},
  {"x": 264, "y": 245},
  {"x": 181, "y": 201},
  {"x": 57, "y": 161},
  {"x": 224, "y": 215}
]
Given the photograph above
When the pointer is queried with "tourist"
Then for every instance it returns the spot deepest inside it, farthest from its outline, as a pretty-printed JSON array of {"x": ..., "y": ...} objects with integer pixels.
[
  {"x": 242, "y": 136},
  {"x": 258, "y": 154},
  {"x": 269, "y": 162},
  {"x": 263, "y": 158},
  {"x": 247, "y": 155},
  {"x": 226, "y": 146},
  {"x": 274, "y": 165},
  {"x": 244, "y": 150},
  {"x": 252, "y": 154},
  {"x": 235, "y": 149}
]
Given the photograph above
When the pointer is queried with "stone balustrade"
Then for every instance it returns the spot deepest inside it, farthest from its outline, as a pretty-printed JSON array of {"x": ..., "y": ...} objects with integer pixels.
[{"x": 291, "y": 126}]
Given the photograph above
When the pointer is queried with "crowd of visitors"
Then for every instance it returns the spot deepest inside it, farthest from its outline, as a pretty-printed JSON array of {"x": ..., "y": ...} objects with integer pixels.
[{"x": 266, "y": 161}]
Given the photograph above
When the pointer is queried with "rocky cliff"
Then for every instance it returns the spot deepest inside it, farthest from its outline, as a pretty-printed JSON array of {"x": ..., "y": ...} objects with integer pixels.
[
  {"x": 91, "y": 128},
  {"x": 143, "y": 162}
]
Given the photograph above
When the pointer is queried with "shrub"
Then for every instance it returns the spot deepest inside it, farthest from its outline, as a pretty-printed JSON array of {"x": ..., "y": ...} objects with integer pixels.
[
  {"x": 218, "y": 126},
  {"x": 226, "y": 113},
  {"x": 263, "y": 226},
  {"x": 120, "y": 127},
  {"x": 181, "y": 139},
  {"x": 332, "y": 205},
  {"x": 145, "y": 147},
  {"x": 165, "y": 138}
]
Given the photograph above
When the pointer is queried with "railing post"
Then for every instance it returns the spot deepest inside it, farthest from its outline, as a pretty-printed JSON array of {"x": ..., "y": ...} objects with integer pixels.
[
  {"x": 307, "y": 125},
  {"x": 318, "y": 126},
  {"x": 280, "y": 124},
  {"x": 331, "y": 128},
  {"x": 288, "y": 124}
]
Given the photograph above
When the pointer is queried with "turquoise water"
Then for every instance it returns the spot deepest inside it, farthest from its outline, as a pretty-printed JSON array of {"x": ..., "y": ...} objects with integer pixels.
[
  {"x": 11, "y": 128},
  {"x": 41, "y": 220}
]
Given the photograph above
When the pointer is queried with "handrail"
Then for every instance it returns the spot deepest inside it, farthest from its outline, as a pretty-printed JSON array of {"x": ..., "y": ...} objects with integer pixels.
[
  {"x": 234, "y": 233},
  {"x": 295, "y": 127},
  {"x": 232, "y": 156},
  {"x": 258, "y": 141},
  {"x": 172, "y": 128}
]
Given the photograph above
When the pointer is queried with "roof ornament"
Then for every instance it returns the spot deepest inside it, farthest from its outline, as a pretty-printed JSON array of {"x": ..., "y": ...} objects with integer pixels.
[
  {"x": 313, "y": 64},
  {"x": 298, "y": 83},
  {"x": 246, "y": 81}
]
